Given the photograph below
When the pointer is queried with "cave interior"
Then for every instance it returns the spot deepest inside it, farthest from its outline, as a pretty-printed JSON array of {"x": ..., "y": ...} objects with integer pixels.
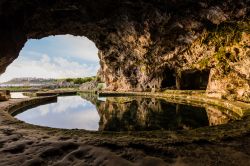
[
  {"x": 187, "y": 80},
  {"x": 194, "y": 80}
]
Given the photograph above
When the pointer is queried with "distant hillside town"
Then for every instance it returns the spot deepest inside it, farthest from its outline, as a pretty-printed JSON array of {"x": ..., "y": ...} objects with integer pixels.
[
  {"x": 29, "y": 80},
  {"x": 44, "y": 82}
]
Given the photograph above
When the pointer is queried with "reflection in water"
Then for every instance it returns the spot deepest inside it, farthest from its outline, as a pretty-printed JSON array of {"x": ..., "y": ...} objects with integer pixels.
[
  {"x": 122, "y": 114},
  {"x": 216, "y": 117},
  {"x": 69, "y": 112},
  {"x": 17, "y": 95}
]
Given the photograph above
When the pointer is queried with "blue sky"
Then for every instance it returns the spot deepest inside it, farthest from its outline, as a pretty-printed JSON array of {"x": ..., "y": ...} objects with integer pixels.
[{"x": 58, "y": 56}]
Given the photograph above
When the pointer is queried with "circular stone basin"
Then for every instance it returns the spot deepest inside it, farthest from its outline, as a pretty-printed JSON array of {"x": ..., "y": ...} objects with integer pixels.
[{"x": 123, "y": 114}]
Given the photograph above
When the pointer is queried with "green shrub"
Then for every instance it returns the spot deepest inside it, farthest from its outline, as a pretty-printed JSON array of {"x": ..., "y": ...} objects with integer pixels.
[{"x": 80, "y": 80}]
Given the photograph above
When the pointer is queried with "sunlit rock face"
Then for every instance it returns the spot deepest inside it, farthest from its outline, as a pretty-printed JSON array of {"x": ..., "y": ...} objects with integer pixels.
[{"x": 144, "y": 44}]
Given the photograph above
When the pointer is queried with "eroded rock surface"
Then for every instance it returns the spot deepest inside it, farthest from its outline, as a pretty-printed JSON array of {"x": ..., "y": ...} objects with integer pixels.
[{"x": 144, "y": 44}]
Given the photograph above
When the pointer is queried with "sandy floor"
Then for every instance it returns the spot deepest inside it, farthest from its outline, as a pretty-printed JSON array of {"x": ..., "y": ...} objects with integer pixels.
[{"x": 24, "y": 144}]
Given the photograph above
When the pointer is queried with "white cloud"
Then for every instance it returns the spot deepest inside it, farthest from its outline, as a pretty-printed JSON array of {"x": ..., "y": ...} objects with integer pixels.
[
  {"x": 47, "y": 67},
  {"x": 65, "y": 104},
  {"x": 79, "y": 47},
  {"x": 63, "y": 45}
]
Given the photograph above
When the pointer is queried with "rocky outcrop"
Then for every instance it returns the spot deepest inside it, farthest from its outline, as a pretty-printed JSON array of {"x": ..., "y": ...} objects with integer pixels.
[
  {"x": 91, "y": 85},
  {"x": 4, "y": 95},
  {"x": 145, "y": 44}
]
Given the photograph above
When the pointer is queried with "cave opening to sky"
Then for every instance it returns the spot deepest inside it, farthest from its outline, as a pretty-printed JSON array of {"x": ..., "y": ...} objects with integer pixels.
[{"x": 60, "y": 56}]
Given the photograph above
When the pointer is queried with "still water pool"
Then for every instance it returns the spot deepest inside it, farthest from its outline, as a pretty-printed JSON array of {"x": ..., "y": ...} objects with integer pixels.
[
  {"x": 123, "y": 114},
  {"x": 68, "y": 112}
]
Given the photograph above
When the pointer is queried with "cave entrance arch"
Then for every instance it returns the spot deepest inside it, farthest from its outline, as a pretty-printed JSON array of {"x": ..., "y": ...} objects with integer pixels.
[
  {"x": 194, "y": 80},
  {"x": 59, "y": 56}
]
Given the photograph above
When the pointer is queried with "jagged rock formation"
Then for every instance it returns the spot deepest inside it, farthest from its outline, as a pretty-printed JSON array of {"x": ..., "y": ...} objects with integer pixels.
[{"x": 145, "y": 44}]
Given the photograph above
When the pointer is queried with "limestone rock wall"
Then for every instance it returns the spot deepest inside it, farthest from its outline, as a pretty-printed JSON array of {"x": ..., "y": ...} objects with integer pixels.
[{"x": 144, "y": 44}]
